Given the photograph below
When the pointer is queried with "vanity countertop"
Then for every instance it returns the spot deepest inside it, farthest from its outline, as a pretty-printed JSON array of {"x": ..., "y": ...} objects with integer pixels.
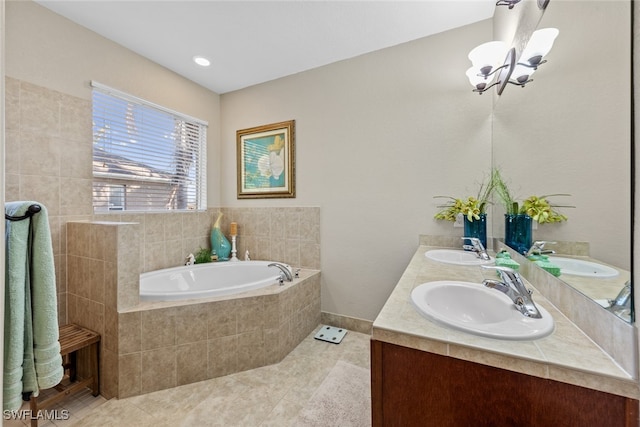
[{"x": 567, "y": 355}]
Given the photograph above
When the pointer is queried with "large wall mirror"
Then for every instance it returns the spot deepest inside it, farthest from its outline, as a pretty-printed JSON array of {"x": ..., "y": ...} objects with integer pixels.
[{"x": 569, "y": 131}]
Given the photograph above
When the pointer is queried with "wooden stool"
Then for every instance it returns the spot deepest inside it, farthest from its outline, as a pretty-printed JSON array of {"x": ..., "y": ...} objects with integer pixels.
[{"x": 72, "y": 338}]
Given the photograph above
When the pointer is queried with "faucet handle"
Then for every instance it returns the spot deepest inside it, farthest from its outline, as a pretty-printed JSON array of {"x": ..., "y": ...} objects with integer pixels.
[
  {"x": 474, "y": 241},
  {"x": 539, "y": 245}
]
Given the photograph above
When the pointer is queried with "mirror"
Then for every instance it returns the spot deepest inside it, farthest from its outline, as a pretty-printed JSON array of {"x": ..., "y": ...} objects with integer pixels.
[{"x": 569, "y": 131}]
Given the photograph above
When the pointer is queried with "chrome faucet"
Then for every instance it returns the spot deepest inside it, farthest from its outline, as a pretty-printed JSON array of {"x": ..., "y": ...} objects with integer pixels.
[
  {"x": 538, "y": 248},
  {"x": 621, "y": 305},
  {"x": 477, "y": 247},
  {"x": 285, "y": 274},
  {"x": 513, "y": 286}
]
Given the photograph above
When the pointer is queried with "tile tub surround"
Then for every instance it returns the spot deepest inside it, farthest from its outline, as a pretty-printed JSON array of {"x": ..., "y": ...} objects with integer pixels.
[
  {"x": 259, "y": 328},
  {"x": 163, "y": 345},
  {"x": 567, "y": 355},
  {"x": 48, "y": 159},
  {"x": 286, "y": 234}
]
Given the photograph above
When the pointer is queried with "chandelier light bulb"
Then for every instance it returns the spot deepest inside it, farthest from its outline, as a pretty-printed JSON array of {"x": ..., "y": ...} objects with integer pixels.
[
  {"x": 488, "y": 54},
  {"x": 539, "y": 45}
]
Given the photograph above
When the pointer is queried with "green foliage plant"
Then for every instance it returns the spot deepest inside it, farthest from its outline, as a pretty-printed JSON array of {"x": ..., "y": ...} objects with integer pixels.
[
  {"x": 537, "y": 207},
  {"x": 471, "y": 207},
  {"x": 203, "y": 255}
]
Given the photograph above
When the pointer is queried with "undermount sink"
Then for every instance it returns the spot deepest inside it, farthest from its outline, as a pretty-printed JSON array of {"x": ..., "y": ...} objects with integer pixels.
[
  {"x": 455, "y": 256},
  {"x": 579, "y": 267},
  {"x": 473, "y": 308}
]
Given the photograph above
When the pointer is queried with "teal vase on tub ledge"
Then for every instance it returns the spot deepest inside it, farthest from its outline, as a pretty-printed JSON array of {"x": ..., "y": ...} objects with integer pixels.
[{"x": 220, "y": 246}]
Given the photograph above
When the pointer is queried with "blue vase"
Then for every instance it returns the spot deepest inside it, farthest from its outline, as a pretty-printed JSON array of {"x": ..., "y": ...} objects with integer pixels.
[
  {"x": 219, "y": 244},
  {"x": 476, "y": 228},
  {"x": 518, "y": 232}
]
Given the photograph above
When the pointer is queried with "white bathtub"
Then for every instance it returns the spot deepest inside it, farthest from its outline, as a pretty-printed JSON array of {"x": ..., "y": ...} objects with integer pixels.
[{"x": 206, "y": 280}]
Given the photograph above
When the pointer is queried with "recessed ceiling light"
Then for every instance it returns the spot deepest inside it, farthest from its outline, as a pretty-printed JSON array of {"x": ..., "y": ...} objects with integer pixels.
[{"x": 201, "y": 60}]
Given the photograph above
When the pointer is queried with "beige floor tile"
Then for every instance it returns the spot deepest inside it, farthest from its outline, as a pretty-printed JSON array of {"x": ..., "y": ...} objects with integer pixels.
[{"x": 272, "y": 395}]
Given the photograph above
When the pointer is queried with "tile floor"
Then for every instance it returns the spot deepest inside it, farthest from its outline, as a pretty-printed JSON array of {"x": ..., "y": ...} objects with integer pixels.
[{"x": 268, "y": 396}]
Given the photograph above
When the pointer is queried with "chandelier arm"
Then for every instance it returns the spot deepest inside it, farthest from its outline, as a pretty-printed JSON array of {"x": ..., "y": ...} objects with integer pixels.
[
  {"x": 484, "y": 89},
  {"x": 493, "y": 72}
]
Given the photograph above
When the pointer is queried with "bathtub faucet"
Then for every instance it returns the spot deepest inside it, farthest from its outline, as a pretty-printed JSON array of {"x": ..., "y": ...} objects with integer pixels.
[{"x": 284, "y": 272}]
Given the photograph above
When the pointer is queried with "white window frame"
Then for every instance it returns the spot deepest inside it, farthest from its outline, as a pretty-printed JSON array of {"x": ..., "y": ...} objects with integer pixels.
[{"x": 178, "y": 185}]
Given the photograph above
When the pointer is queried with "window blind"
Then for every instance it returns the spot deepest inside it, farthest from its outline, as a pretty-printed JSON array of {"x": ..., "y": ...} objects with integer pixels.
[{"x": 145, "y": 157}]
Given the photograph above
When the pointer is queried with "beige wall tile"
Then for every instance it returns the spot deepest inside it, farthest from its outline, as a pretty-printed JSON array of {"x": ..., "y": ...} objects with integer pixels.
[
  {"x": 39, "y": 154},
  {"x": 159, "y": 369},
  {"x": 251, "y": 350},
  {"x": 43, "y": 189},
  {"x": 173, "y": 226},
  {"x": 223, "y": 356},
  {"x": 273, "y": 348},
  {"x": 96, "y": 280},
  {"x": 12, "y": 186},
  {"x": 75, "y": 196},
  {"x": 39, "y": 109},
  {"x": 78, "y": 238},
  {"x": 192, "y": 362},
  {"x": 129, "y": 375},
  {"x": 76, "y": 125},
  {"x": 222, "y": 319},
  {"x": 278, "y": 223},
  {"x": 129, "y": 332},
  {"x": 191, "y": 323},
  {"x": 154, "y": 257},
  {"x": 250, "y": 314},
  {"x": 111, "y": 284},
  {"x": 109, "y": 339},
  {"x": 109, "y": 374},
  {"x": 154, "y": 228},
  {"x": 158, "y": 328}
]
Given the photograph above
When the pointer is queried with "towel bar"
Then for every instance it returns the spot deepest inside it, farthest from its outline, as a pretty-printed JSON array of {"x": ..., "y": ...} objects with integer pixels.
[{"x": 31, "y": 210}]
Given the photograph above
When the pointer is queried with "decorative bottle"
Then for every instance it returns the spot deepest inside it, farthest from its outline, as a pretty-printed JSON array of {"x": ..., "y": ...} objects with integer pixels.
[{"x": 219, "y": 243}]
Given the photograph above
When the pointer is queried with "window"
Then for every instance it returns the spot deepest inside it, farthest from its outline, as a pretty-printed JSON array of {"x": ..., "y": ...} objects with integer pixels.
[
  {"x": 116, "y": 197},
  {"x": 145, "y": 157}
]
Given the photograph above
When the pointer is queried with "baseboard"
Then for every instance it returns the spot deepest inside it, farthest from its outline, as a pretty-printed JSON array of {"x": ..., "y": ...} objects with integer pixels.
[{"x": 350, "y": 323}]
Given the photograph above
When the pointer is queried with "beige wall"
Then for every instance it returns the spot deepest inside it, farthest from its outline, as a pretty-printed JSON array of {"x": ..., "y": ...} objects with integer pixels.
[
  {"x": 376, "y": 138},
  {"x": 48, "y": 50},
  {"x": 570, "y": 129},
  {"x": 48, "y": 114}
]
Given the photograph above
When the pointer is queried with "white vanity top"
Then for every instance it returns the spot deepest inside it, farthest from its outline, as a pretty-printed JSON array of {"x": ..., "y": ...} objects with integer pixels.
[{"x": 567, "y": 355}]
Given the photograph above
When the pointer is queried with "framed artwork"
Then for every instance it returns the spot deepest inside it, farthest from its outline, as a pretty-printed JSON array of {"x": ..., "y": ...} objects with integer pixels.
[{"x": 266, "y": 161}]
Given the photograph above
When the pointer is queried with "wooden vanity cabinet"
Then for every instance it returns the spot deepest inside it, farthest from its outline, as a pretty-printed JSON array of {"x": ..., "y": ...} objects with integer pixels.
[{"x": 416, "y": 388}]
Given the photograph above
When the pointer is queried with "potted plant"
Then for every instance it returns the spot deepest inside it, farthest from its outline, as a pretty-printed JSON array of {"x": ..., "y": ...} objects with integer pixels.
[
  {"x": 473, "y": 208},
  {"x": 519, "y": 217}
]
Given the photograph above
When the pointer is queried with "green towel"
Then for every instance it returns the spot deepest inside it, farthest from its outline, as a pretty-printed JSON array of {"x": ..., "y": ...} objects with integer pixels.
[
  {"x": 503, "y": 254},
  {"x": 507, "y": 262},
  {"x": 32, "y": 359},
  {"x": 547, "y": 266}
]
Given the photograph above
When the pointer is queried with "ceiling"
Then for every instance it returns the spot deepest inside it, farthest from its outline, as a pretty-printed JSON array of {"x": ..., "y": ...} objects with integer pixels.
[{"x": 250, "y": 42}]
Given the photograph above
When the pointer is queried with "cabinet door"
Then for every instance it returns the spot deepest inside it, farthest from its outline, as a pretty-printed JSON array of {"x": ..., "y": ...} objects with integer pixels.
[{"x": 416, "y": 388}]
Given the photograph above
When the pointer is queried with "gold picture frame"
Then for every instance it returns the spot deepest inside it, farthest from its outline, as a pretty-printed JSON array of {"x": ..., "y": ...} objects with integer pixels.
[{"x": 266, "y": 161}]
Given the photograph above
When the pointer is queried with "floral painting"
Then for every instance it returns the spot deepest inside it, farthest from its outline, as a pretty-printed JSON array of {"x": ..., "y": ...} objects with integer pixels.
[{"x": 265, "y": 157}]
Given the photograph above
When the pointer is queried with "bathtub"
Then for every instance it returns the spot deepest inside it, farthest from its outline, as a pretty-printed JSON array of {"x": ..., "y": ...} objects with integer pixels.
[{"x": 206, "y": 280}]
